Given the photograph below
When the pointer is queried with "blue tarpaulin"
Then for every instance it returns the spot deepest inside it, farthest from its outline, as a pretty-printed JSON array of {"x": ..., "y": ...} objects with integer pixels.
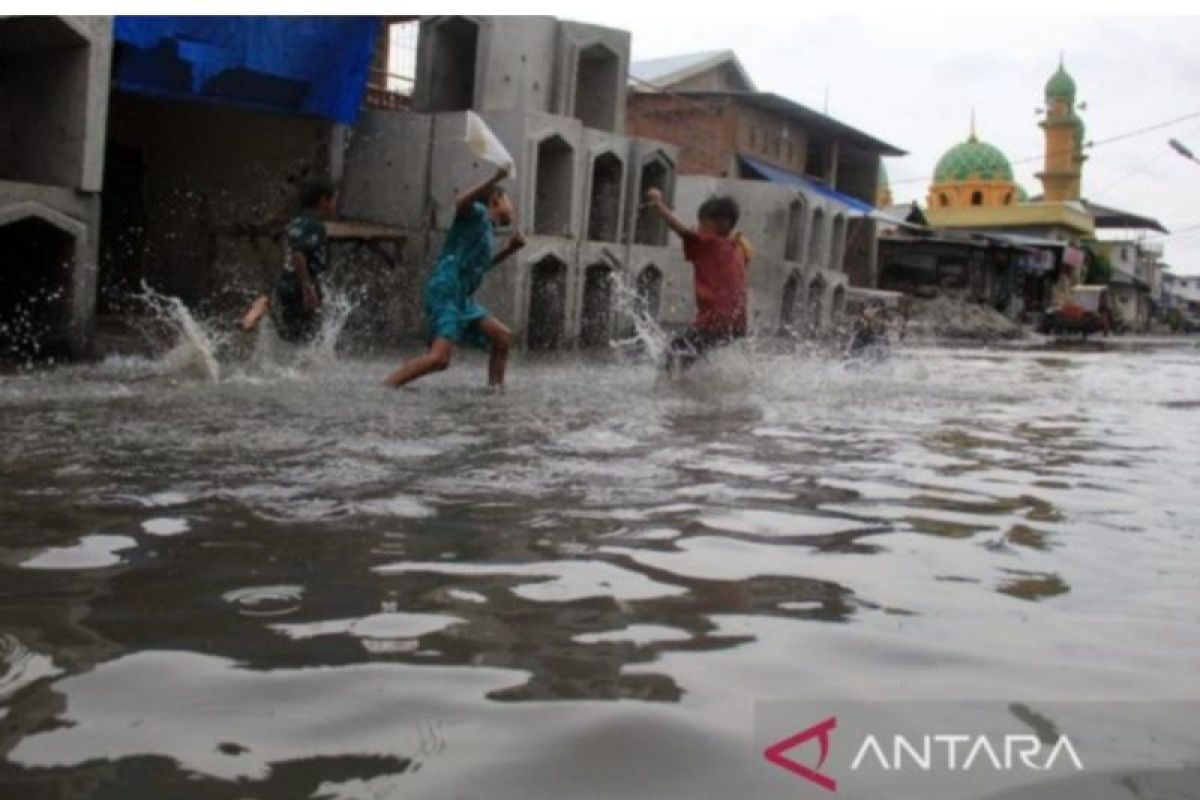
[
  {"x": 315, "y": 66},
  {"x": 779, "y": 175}
]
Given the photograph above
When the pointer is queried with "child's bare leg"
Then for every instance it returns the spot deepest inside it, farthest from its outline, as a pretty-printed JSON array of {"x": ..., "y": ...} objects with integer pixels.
[
  {"x": 258, "y": 309},
  {"x": 500, "y": 344},
  {"x": 436, "y": 360}
]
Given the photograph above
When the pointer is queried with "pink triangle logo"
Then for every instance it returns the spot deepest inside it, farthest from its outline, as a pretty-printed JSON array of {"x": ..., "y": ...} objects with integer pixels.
[{"x": 776, "y": 753}]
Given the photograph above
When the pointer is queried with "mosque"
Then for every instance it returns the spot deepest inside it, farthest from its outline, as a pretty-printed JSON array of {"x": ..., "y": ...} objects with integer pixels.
[
  {"x": 977, "y": 209},
  {"x": 974, "y": 187}
]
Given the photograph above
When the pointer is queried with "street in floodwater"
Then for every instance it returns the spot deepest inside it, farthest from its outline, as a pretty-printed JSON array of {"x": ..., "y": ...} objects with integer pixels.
[{"x": 292, "y": 583}]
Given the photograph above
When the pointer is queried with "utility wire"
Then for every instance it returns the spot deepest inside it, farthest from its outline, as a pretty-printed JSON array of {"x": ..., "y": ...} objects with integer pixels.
[{"x": 1090, "y": 145}]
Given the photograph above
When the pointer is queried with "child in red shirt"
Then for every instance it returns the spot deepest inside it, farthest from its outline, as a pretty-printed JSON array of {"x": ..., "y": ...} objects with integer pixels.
[{"x": 720, "y": 258}]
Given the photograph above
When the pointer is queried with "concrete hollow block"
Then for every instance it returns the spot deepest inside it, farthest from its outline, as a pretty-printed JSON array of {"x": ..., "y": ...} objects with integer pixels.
[
  {"x": 597, "y": 317},
  {"x": 606, "y": 186},
  {"x": 540, "y": 286},
  {"x": 491, "y": 63},
  {"x": 545, "y": 327},
  {"x": 592, "y": 71},
  {"x": 663, "y": 281},
  {"x": 654, "y": 165},
  {"x": 386, "y": 177},
  {"x": 553, "y": 186},
  {"x": 448, "y": 63},
  {"x": 54, "y": 93}
]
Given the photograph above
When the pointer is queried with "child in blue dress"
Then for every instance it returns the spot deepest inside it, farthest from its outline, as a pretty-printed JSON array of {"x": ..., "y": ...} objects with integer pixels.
[{"x": 452, "y": 316}]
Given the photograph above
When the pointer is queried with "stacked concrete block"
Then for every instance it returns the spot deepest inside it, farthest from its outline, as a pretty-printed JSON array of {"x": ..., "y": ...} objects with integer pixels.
[
  {"x": 652, "y": 165},
  {"x": 54, "y": 92},
  {"x": 554, "y": 94},
  {"x": 542, "y": 279},
  {"x": 523, "y": 64},
  {"x": 606, "y": 173},
  {"x": 677, "y": 303},
  {"x": 386, "y": 174},
  {"x": 592, "y": 65},
  {"x": 485, "y": 64}
]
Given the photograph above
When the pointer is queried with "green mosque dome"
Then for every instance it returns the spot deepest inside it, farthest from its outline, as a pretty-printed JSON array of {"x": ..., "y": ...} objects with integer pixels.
[
  {"x": 1061, "y": 85},
  {"x": 973, "y": 159}
]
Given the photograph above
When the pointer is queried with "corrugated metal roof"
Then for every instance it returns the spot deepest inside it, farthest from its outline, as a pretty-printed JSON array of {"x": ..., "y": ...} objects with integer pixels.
[{"x": 663, "y": 72}]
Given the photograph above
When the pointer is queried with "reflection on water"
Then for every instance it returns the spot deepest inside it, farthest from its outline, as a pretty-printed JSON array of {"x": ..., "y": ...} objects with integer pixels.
[{"x": 286, "y": 582}]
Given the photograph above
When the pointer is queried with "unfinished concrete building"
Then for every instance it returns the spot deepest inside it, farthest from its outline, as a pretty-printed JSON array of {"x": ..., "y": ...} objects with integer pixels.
[{"x": 54, "y": 92}]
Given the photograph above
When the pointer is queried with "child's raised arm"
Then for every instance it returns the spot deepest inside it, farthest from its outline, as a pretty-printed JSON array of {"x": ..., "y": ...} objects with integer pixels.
[
  {"x": 514, "y": 244},
  {"x": 478, "y": 192},
  {"x": 655, "y": 199}
]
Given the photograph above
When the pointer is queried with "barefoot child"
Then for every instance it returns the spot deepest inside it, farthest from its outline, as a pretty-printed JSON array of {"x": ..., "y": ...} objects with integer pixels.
[
  {"x": 452, "y": 316},
  {"x": 720, "y": 257},
  {"x": 297, "y": 293}
]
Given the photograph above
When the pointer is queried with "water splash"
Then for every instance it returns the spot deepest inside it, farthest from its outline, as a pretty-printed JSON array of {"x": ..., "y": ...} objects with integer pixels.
[
  {"x": 335, "y": 312},
  {"x": 195, "y": 351},
  {"x": 648, "y": 337}
]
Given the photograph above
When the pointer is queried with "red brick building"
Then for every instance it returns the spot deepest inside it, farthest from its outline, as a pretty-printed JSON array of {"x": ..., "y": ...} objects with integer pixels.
[{"x": 707, "y": 105}]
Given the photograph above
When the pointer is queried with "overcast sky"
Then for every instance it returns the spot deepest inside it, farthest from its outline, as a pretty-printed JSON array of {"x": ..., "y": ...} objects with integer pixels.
[{"x": 913, "y": 81}]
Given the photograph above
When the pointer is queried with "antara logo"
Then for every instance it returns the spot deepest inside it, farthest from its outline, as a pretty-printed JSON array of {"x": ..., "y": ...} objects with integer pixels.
[
  {"x": 820, "y": 732},
  {"x": 949, "y": 752}
]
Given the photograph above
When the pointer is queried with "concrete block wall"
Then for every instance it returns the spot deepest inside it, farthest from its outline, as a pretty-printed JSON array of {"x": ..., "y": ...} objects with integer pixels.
[
  {"x": 553, "y": 93},
  {"x": 386, "y": 174},
  {"x": 794, "y": 233},
  {"x": 528, "y": 63},
  {"x": 54, "y": 92}
]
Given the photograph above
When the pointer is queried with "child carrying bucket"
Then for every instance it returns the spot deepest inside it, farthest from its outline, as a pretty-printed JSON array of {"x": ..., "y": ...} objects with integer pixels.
[{"x": 452, "y": 316}]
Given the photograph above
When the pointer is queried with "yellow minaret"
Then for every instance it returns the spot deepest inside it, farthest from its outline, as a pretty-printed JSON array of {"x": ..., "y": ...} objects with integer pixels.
[{"x": 1063, "y": 172}]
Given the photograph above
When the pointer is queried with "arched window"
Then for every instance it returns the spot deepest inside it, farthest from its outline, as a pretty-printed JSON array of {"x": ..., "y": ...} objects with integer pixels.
[
  {"x": 944, "y": 200},
  {"x": 976, "y": 198},
  {"x": 1008, "y": 198}
]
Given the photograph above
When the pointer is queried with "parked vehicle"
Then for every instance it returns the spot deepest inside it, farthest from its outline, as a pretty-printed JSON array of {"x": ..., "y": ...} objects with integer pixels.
[{"x": 1087, "y": 311}]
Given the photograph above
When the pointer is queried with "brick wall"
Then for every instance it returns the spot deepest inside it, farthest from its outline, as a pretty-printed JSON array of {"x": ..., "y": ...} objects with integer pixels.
[
  {"x": 711, "y": 131},
  {"x": 702, "y": 129}
]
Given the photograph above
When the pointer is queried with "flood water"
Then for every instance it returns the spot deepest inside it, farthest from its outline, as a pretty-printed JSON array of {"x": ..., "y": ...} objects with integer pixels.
[{"x": 290, "y": 583}]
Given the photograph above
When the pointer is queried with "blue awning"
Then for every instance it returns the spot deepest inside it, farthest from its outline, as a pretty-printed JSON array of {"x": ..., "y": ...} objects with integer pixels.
[
  {"x": 775, "y": 174},
  {"x": 315, "y": 66}
]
